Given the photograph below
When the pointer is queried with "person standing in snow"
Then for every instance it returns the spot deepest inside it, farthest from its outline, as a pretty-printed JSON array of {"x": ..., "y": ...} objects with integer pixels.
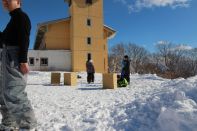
[
  {"x": 16, "y": 109},
  {"x": 125, "y": 72},
  {"x": 90, "y": 71}
]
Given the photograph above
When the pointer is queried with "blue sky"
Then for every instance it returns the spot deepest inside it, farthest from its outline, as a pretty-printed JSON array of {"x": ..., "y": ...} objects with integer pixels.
[{"x": 144, "y": 22}]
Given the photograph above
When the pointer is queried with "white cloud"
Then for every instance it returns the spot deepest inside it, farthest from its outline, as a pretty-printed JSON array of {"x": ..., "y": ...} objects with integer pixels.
[
  {"x": 122, "y": 1},
  {"x": 184, "y": 47},
  {"x": 162, "y": 42},
  {"x": 137, "y": 5},
  {"x": 174, "y": 47}
]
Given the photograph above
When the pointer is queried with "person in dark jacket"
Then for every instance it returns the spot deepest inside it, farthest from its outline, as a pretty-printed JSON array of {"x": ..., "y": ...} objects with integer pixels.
[
  {"x": 90, "y": 71},
  {"x": 17, "y": 112},
  {"x": 125, "y": 72}
]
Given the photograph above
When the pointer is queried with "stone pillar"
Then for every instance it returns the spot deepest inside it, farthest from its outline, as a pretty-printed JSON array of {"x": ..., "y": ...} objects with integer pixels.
[
  {"x": 109, "y": 81},
  {"x": 55, "y": 78},
  {"x": 70, "y": 79}
]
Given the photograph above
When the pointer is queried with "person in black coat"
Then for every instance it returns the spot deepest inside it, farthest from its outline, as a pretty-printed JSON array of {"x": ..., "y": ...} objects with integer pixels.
[
  {"x": 90, "y": 71},
  {"x": 125, "y": 72},
  {"x": 15, "y": 107}
]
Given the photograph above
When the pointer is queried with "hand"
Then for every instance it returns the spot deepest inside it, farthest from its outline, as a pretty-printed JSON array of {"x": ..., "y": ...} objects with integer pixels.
[{"x": 24, "y": 67}]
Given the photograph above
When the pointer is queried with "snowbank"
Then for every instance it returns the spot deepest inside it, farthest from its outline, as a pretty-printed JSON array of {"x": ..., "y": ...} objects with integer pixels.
[{"x": 150, "y": 103}]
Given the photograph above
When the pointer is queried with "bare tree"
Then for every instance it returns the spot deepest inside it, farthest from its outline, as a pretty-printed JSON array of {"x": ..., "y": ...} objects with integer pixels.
[
  {"x": 164, "y": 50},
  {"x": 138, "y": 56},
  {"x": 188, "y": 65},
  {"x": 115, "y": 57},
  {"x": 156, "y": 58},
  {"x": 179, "y": 60},
  {"x": 174, "y": 57},
  {"x": 170, "y": 60}
]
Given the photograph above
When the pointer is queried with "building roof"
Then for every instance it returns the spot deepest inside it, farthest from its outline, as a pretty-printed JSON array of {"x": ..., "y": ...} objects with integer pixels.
[
  {"x": 65, "y": 19},
  {"x": 111, "y": 33},
  {"x": 42, "y": 29},
  {"x": 53, "y": 21}
]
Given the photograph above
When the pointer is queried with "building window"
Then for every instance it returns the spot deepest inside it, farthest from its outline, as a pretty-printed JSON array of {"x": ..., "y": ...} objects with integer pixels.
[
  {"x": 88, "y": 1},
  {"x": 88, "y": 22},
  {"x": 43, "y": 61},
  {"x": 89, "y": 56},
  {"x": 31, "y": 61},
  {"x": 89, "y": 41}
]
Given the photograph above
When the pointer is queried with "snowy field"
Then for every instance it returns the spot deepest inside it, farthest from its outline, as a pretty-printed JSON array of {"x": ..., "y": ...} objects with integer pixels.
[{"x": 150, "y": 103}]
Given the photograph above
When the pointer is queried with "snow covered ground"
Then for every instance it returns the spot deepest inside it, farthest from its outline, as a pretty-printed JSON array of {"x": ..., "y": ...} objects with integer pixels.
[{"x": 150, "y": 103}]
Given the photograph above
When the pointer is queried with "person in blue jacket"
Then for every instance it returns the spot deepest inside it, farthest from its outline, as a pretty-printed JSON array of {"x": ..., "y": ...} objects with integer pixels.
[{"x": 125, "y": 72}]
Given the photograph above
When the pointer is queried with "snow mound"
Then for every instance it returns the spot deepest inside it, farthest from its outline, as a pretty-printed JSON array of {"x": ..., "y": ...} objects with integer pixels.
[{"x": 150, "y": 103}]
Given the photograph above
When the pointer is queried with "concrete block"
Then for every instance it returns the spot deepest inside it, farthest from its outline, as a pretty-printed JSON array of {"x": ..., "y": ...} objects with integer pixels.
[
  {"x": 55, "y": 78},
  {"x": 70, "y": 79},
  {"x": 109, "y": 81}
]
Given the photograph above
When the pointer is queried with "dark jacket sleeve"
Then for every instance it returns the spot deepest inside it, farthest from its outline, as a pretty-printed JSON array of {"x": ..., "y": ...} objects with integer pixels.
[
  {"x": 24, "y": 27},
  {"x": 93, "y": 69},
  {"x": 0, "y": 35},
  {"x": 0, "y": 39},
  {"x": 86, "y": 66}
]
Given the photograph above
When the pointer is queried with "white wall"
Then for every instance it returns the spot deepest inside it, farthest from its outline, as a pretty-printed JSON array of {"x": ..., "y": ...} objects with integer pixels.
[{"x": 58, "y": 60}]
